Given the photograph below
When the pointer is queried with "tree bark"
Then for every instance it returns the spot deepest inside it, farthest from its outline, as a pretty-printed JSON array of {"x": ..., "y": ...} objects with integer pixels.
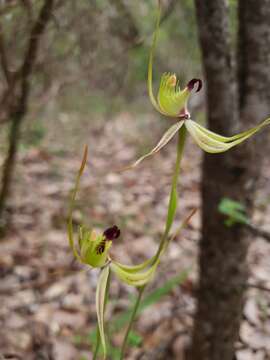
[{"x": 223, "y": 250}]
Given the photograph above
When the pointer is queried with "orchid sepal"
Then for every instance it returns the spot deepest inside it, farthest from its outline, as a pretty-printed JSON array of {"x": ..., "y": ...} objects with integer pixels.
[
  {"x": 132, "y": 276},
  {"x": 101, "y": 303},
  {"x": 215, "y": 143},
  {"x": 167, "y": 136}
]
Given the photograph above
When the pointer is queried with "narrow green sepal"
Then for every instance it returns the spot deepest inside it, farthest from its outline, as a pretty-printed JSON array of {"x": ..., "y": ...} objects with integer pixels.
[
  {"x": 100, "y": 305},
  {"x": 135, "y": 268},
  {"x": 167, "y": 136},
  {"x": 134, "y": 277},
  {"x": 215, "y": 143}
]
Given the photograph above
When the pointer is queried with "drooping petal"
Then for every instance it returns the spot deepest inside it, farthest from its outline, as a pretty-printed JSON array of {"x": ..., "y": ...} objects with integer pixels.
[
  {"x": 214, "y": 143},
  {"x": 135, "y": 268},
  {"x": 237, "y": 136},
  {"x": 100, "y": 304},
  {"x": 141, "y": 274},
  {"x": 136, "y": 278},
  {"x": 213, "y": 134},
  {"x": 204, "y": 141},
  {"x": 169, "y": 134},
  {"x": 227, "y": 139}
]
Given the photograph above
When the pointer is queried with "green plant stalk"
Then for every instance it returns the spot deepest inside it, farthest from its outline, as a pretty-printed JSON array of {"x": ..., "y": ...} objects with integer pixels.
[
  {"x": 172, "y": 207},
  {"x": 98, "y": 335},
  {"x": 132, "y": 318},
  {"x": 97, "y": 346}
]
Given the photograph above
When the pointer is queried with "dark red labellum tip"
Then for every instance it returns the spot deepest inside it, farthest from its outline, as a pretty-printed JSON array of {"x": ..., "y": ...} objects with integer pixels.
[
  {"x": 112, "y": 233},
  {"x": 194, "y": 82}
]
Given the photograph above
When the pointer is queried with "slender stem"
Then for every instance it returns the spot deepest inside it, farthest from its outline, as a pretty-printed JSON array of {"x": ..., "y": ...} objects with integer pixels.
[
  {"x": 98, "y": 335},
  {"x": 97, "y": 346},
  {"x": 173, "y": 193},
  {"x": 172, "y": 207},
  {"x": 132, "y": 318}
]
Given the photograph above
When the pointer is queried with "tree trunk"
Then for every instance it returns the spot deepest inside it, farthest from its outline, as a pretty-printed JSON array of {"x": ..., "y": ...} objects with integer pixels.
[{"x": 223, "y": 250}]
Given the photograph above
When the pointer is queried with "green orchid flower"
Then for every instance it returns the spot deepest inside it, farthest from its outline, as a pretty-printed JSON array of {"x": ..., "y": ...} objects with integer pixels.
[
  {"x": 172, "y": 102},
  {"x": 92, "y": 249}
]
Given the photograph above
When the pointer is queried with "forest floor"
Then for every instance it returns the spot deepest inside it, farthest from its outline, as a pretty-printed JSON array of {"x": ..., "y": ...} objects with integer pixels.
[{"x": 47, "y": 300}]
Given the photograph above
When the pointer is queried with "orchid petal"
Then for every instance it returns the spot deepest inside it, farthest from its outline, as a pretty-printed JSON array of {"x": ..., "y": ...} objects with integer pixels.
[
  {"x": 214, "y": 143},
  {"x": 100, "y": 304},
  {"x": 135, "y": 268},
  {"x": 237, "y": 136},
  {"x": 152, "y": 261},
  {"x": 136, "y": 279},
  {"x": 213, "y": 134},
  {"x": 169, "y": 134},
  {"x": 204, "y": 141}
]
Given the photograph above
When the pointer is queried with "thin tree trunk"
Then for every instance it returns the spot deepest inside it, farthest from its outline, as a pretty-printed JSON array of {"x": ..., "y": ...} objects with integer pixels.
[
  {"x": 223, "y": 267},
  {"x": 18, "y": 108}
]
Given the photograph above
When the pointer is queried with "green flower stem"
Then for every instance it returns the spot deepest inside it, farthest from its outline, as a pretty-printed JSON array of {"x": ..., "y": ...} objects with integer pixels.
[
  {"x": 172, "y": 207},
  {"x": 97, "y": 346},
  {"x": 98, "y": 335},
  {"x": 131, "y": 321},
  {"x": 173, "y": 195}
]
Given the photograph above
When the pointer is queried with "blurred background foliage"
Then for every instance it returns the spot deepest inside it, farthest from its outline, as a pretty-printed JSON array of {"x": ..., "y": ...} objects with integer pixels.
[
  {"x": 94, "y": 54},
  {"x": 92, "y": 62}
]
